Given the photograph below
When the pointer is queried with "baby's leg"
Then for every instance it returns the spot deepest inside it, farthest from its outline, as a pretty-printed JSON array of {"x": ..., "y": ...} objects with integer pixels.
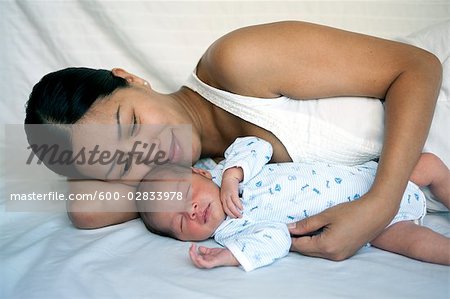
[
  {"x": 432, "y": 172},
  {"x": 414, "y": 241}
]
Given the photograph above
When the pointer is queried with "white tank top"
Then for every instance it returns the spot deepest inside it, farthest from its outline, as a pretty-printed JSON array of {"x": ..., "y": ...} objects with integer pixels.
[{"x": 344, "y": 130}]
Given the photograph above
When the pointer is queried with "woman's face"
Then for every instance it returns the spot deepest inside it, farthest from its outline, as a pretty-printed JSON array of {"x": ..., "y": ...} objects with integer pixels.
[{"x": 124, "y": 135}]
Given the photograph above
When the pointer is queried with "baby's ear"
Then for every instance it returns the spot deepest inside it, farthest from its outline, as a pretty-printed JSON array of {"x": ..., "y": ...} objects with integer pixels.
[{"x": 202, "y": 172}]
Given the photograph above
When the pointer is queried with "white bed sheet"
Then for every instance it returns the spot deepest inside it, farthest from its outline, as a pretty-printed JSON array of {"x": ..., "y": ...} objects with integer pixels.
[{"x": 43, "y": 256}]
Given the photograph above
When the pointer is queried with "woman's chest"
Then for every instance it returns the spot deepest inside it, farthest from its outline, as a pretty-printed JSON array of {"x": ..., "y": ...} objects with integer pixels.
[{"x": 232, "y": 127}]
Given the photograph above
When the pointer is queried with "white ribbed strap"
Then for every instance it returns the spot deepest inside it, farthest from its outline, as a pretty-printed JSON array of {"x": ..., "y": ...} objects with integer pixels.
[{"x": 306, "y": 138}]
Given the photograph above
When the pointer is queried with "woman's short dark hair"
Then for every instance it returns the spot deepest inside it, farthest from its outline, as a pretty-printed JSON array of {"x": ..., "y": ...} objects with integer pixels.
[{"x": 62, "y": 98}]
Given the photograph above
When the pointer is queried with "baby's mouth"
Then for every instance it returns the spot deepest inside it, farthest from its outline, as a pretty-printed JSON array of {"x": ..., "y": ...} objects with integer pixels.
[{"x": 206, "y": 214}]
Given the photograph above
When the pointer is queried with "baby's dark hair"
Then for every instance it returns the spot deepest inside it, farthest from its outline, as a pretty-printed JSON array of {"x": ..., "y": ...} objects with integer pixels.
[
  {"x": 152, "y": 227},
  {"x": 62, "y": 98}
]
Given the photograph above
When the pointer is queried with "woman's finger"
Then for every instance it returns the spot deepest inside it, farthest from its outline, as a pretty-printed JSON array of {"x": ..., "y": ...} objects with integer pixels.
[
  {"x": 309, "y": 246},
  {"x": 308, "y": 225}
]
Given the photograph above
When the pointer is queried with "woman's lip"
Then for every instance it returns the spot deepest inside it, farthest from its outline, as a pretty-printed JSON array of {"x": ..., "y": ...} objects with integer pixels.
[
  {"x": 171, "y": 148},
  {"x": 175, "y": 149}
]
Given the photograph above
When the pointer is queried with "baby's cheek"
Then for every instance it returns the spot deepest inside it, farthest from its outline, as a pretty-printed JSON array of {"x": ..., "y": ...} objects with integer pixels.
[{"x": 197, "y": 232}]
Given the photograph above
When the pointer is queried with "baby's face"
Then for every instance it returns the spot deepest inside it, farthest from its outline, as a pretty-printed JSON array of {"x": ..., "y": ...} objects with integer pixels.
[{"x": 200, "y": 213}]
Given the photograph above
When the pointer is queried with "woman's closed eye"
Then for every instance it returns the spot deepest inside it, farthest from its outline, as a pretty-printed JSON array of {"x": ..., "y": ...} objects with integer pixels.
[
  {"x": 133, "y": 132},
  {"x": 127, "y": 166},
  {"x": 135, "y": 125}
]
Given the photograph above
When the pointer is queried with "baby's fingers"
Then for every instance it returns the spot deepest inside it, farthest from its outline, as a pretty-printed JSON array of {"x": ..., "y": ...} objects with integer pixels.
[
  {"x": 227, "y": 210},
  {"x": 237, "y": 203},
  {"x": 230, "y": 207},
  {"x": 203, "y": 249},
  {"x": 234, "y": 208},
  {"x": 198, "y": 259}
]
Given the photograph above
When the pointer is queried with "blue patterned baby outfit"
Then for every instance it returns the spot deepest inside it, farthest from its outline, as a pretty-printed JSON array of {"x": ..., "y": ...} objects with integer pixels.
[{"x": 276, "y": 194}]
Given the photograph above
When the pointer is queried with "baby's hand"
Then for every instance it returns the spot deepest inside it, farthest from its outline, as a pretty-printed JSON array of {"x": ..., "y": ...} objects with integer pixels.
[
  {"x": 229, "y": 195},
  {"x": 208, "y": 258}
]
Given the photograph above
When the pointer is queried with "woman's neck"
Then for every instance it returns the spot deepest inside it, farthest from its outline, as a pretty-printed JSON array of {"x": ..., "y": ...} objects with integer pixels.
[{"x": 206, "y": 120}]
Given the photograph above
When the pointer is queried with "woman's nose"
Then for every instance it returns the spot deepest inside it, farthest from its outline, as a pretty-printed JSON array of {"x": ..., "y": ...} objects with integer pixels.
[
  {"x": 144, "y": 151},
  {"x": 139, "y": 158}
]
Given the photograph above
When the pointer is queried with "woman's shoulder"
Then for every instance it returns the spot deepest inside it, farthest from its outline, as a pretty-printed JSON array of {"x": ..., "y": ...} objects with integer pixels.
[
  {"x": 223, "y": 62},
  {"x": 237, "y": 62}
]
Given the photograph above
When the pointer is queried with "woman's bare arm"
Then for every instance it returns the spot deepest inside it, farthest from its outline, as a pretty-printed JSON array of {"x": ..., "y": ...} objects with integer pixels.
[
  {"x": 100, "y": 212},
  {"x": 305, "y": 61}
]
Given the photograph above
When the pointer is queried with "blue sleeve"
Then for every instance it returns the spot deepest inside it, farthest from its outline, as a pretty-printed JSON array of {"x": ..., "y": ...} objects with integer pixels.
[
  {"x": 255, "y": 245},
  {"x": 249, "y": 153}
]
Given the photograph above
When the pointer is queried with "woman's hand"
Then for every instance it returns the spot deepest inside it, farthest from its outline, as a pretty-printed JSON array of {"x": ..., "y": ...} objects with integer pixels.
[
  {"x": 208, "y": 258},
  {"x": 345, "y": 228}
]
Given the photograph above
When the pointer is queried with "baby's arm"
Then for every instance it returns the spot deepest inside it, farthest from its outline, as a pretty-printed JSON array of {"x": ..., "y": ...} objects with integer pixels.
[
  {"x": 244, "y": 159},
  {"x": 229, "y": 192},
  {"x": 249, "y": 153},
  {"x": 255, "y": 245},
  {"x": 208, "y": 258},
  {"x": 414, "y": 241}
]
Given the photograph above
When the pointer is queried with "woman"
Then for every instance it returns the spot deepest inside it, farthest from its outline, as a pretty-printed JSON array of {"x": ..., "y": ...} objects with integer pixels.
[{"x": 264, "y": 63}]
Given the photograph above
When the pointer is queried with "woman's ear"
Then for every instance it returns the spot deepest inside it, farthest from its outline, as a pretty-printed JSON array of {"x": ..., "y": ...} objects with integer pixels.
[
  {"x": 202, "y": 172},
  {"x": 118, "y": 72}
]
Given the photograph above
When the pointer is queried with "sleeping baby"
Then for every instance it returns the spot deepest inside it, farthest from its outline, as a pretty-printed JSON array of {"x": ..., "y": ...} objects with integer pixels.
[{"x": 246, "y": 204}]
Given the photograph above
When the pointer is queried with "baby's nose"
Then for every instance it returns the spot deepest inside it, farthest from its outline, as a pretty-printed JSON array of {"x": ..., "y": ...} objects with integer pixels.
[{"x": 193, "y": 211}]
